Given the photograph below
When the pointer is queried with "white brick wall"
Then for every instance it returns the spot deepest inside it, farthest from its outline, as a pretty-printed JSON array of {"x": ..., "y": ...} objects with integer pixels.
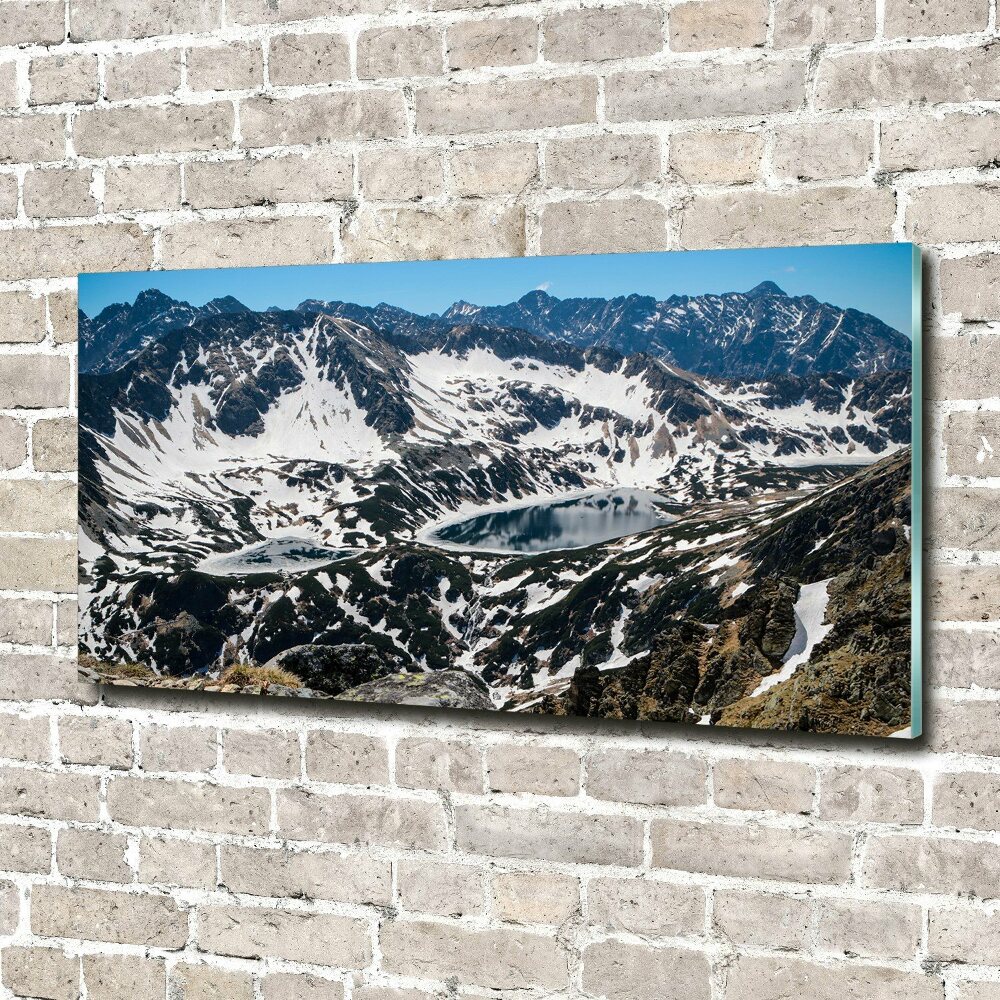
[{"x": 159, "y": 846}]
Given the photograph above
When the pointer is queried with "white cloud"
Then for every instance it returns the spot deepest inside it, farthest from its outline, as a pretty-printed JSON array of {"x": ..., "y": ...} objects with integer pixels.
[{"x": 543, "y": 287}]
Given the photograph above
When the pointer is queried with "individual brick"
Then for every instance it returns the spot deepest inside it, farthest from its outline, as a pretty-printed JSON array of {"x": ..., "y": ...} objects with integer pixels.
[
  {"x": 110, "y": 977},
  {"x": 23, "y": 318},
  {"x": 99, "y": 915},
  {"x": 39, "y": 505},
  {"x": 225, "y": 67},
  {"x": 646, "y": 906},
  {"x": 458, "y": 231},
  {"x": 269, "y": 753},
  {"x": 208, "y": 982},
  {"x": 700, "y": 25},
  {"x": 178, "y": 748},
  {"x": 13, "y": 443},
  {"x": 33, "y": 138},
  {"x": 901, "y": 77},
  {"x": 27, "y": 622},
  {"x": 625, "y": 225},
  {"x": 63, "y": 79},
  {"x": 247, "y": 242},
  {"x": 661, "y": 778},
  {"x": 502, "y": 104},
  {"x": 823, "y": 152},
  {"x": 533, "y": 770},
  {"x": 97, "y": 19},
  {"x": 760, "y": 86},
  {"x": 391, "y": 821},
  {"x": 573, "y": 838},
  {"x": 38, "y": 22},
  {"x": 355, "y": 114},
  {"x": 952, "y": 213},
  {"x": 401, "y": 174},
  {"x": 963, "y": 934},
  {"x": 154, "y": 73},
  {"x": 624, "y": 970},
  {"x": 916, "y": 18},
  {"x": 971, "y": 285},
  {"x": 871, "y": 795},
  {"x": 963, "y": 659},
  {"x": 10, "y": 908},
  {"x": 63, "y": 316},
  {"x": 509, "y": 41},
  {"x": 154, "y": 129},
  {"x": 439, "y": 764},
  {"x": 595, "y": 34},
  {"x": 8, "y": 196},
  {"x": 61, "y": 193},
  {"x": 485, "y": 171},
  {"x": 965, "y": 518},
  {"x": 716, "y": 157},
  {"x": 967, "y": 801},
  {"x": 96, "y": 855},
  {"x": 962, "y": 593},
  {"x": 349, "y": 877},
  {"x": 440, "y": 888},
  {"x": 347, "y": 758},
  {"x": 297, "y": 60},
  {"x": 972, "y": 443},
  {"x": 604, "y": 161},
  {"x": 763, "y": 920},
  {"x": 534, "y": 897},
  {"x": 869, "y": 929},
  {"x": 752, "y": 851},
  {"x": 505, "y": 959},
  {"x": 292, "y": 986},
  {"x": 937, "y": 143},
  {"x": 9, "y": 97},
  {"x": 67, "y": 622},
  {"x": 188, "y": 805},
  {"x": 29, "y": 676},
  {"x": 752, "y": 977},
  {"x": 411, "y": 50},
  {"x": 142, "y": 187},
  {"x": 44, "y": 973},
  {"x": 285, "y": 11},
  {"x": 959, "y": 367},
  {"x": 935, "y": 864},
  {"x": 53, "y": 444},
  {"x": 49, "y": 795},
  {"x": 171, "y": 861},
  {"x": 762, "y": 218},
  {"x": 812, "y": 22},
  {"x": 55, "y": 251},
  {"x": 964, "y": 727},
  {"x": 32, "y": 381},
  {"x": 25, "y": 737},
  {"x": 781, "y": 786},
  {"x": 292, "y": 935},
  {"x": 315, "y": 177},
  {"x": 37, "y": 563},
  {"x": 25, "y": 849}
]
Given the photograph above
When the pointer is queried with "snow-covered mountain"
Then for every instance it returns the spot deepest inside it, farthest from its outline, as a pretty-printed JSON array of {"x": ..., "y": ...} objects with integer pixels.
[{"x": 256, "y": 481}]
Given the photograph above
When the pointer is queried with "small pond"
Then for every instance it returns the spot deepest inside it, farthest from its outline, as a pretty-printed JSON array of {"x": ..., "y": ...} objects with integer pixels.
[
  {"x": 274, "y": 555},
  {"x": 570, "y": 523}
]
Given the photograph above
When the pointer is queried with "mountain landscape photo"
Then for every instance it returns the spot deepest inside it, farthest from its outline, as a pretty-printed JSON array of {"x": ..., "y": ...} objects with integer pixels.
[{"x": 468, "y": 484}]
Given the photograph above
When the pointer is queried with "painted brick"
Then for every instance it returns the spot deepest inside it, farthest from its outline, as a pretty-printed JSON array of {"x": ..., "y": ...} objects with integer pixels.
[
  {"x": 763, "y": 920},
  {"x": 143, "y": 74},
  {"x": 534, "y": 897},
  {"x": 28, "y": 676},
  {"x": 95, "y": 19},
  {"x": 44, "y": 973},
  {"x": 606, "y": 161},
  {"x": 25, "y": 849},
  {"x": 621, "y": 970},
  {"x": 296, "y": 60},
  {"x": 932, "y": 864},
  {"x": 972, "y": 443},
  {"x": 347, "y": 758},
  {"x": 646, "y": 906},
  {"x": 63, "y": 316},
  {"x": 504, "y": 959},
  {"x": 963, "y": 727},
  {"x": 269, "y": 753},
  {"x": 316, "y": 938},
  {"x": 225, "y": 67},
  {"x": 752, "y": 851},
  {"x": 812, "y": 22},
  {"x": 679, "y": 92},
  {"x": 63, "y": 79},
  {"x": 823, "y": 152},
  {"x": 285, "y": 11},
  {"x": 402, "y": 174},
  {"x": 32, "y": 138},
  {"x": 849, "y": 927},
  {"x": 180, "y": 748},
  {"x": 512, "y": 41},
  {"x": 10, "y": 908},
  {"x": 936, "y": 143},
  {"x": 99, "y": 915},
  {"x": 717, "y": 24},
  {"x": 536, "y": 770},
  {"x": 27, "y": 622},
  {"x": 23, "y": 318},
  {"x": 289, "y": 986},
  {"x": 142, "y": 187},
  {"x": 967, "y": 801},
  {"x": 628, "y": 224},
  {"x": 595, "y": 34},
  {"x": 351, "y": 877},
  {"x": 716, "y": 157},
  {"x": 170, "y": 861},
  {"x": 51, "y": 194},
  {"x": 96, "y": 740},
  {"x": 93, "y": 854},
  {"x": 649, "y": 778},
  {"x": 959, "y": 367},
  {"x": 413, "y": 50},
  {"x": 438, "y": 888},
  {"x": 38, "y": 563},
  {"x": 208, "y": 982},
  {"x": 962, "y": 593},
  {"x": 963, "y": 659},
  {"x": 41, "y": 22},
  {"x": 25, "y": 738},
  {"x": 158, "y": 129},
  {"x": 964, "y": 934},
  {"x": 763, "y": 784},
  {"x": 358, "y": 114},
  {"x": 871, "y": 795},
  {"x": 58, "y": 250},
  {"x": 916, "y": 18},
  {"x": 505, "y": 832},
  {"x": 965, "y": 518},
  {"x": 448, "y": 765}
]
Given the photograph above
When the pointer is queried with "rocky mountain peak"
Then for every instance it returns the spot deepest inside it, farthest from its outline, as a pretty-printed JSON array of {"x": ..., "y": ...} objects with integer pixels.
[{"x": 765, "y": 288}]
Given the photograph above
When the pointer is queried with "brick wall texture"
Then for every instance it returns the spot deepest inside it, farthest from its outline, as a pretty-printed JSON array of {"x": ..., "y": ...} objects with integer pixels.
[{"x": 159, "y": 846}]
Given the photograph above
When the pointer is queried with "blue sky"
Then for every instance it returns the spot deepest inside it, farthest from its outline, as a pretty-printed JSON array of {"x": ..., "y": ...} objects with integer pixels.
[{"x": 875, "y": 279}]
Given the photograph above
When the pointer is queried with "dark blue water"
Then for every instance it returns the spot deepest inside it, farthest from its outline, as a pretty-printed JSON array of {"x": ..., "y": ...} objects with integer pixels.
[
  {"x": 276, "y": 555},
  {"x": 573, "y": 523}
]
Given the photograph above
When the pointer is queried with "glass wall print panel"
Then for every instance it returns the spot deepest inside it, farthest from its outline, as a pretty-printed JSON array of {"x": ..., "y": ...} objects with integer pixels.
[{"x": 679, "y": 487}]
